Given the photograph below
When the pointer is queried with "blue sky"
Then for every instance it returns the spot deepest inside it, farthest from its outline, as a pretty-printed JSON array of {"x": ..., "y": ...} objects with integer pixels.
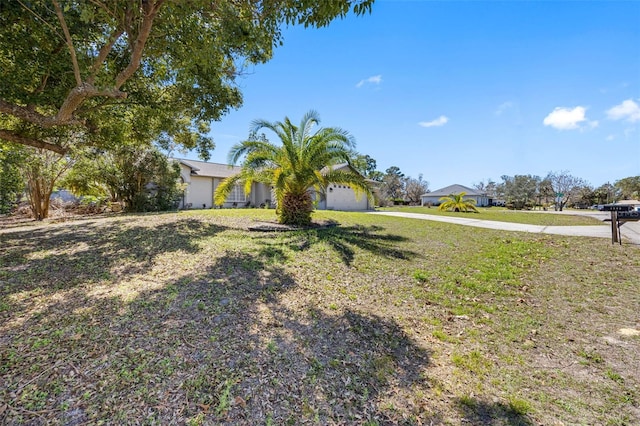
[{"x": 464, "y": 91}]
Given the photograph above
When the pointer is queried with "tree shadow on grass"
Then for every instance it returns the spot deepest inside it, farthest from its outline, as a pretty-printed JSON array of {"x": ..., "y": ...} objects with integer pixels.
[
  {"x": 478, "y": 412},
  {"x": 71, "y": 261},
  {"x": 62, "y": 257},
  {"x": 236, "y": 343},
  {"x": 286, "y": 361},
  {"x": 346, "y": 239}
]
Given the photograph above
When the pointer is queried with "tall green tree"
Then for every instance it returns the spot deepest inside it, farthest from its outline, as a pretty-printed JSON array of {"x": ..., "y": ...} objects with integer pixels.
[
  {"x": 520, "y": 190},
  {"x": 457, "y": 203},
  {"x": 12, "y": 163},
  {"x": 606, "y": 193},
  {"x": 585, "y": 196},
  {"x": 64, "y": 64},
  {"x": 545, "y": 192},
  {"x": 393, "y": 184},
  {"x": 366, "y": 166},
  {"x": 629, "y": 187},
  {"x": 303, "y": 161}
]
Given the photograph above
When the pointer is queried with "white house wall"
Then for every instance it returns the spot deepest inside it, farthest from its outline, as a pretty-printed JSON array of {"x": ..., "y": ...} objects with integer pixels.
[
  {"x": 260, "y": 195},
  {"x": 199, "y": 193},
  {"x": 430, "y": 200},
  {"x": 341, "y": 197}
]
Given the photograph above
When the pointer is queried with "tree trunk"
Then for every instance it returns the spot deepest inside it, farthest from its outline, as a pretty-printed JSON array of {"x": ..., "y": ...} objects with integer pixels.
[
  {"x": 39, "y": 195},
  {"x": 296, "y": 209},
  {"x": 44, "y": 168}
]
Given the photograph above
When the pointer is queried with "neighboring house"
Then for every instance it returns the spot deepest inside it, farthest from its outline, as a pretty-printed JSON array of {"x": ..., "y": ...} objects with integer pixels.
[
  {"x": 342, "y": 197},
  {"x": 202, "y": 178},
  {"x": 433, "y": 198}
]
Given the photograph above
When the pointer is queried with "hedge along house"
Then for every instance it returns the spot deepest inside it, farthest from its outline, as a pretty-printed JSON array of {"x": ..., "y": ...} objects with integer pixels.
[
  {"x": 200, "y": 180},
  {"x": 433, "y": 198}
]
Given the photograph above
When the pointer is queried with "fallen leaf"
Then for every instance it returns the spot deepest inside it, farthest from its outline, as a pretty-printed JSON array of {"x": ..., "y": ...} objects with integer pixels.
[{"x": 241, "y": 402}]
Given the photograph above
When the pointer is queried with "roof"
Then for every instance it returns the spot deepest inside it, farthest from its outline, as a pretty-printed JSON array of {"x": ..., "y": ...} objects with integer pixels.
[
  {"x": 373, "y": 184},
  {"x": 629, "y": 202},
  {"x": 341, "y": 166},
  {"x": 203, "y": 168},
  {"x": 454, "y": 189},
  {"x": 344, "y": 167}
]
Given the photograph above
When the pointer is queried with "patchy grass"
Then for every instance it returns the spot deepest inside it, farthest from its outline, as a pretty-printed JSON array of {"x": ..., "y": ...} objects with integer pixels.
[
  {"x": 504, "y": 215},
  {"x": 190, "y": 318}
]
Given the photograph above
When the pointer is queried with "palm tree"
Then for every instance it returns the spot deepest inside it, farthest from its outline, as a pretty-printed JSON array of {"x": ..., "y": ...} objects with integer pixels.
[
  {"x": 457, "y": 203},
  {"x": 303, "y": 161}
]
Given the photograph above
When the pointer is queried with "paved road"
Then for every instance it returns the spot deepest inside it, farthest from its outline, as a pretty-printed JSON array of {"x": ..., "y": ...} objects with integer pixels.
[{"x": 630, "y": 230}]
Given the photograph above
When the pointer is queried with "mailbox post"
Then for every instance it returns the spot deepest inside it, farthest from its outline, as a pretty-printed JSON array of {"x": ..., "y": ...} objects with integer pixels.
[{"x": 620, "y": 214}]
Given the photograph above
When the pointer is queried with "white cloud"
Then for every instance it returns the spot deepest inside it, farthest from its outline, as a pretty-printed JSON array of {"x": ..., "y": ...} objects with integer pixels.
[
  {"x": 610, "y": 138},
  {"x": 627, "y": 110},
  {"x": 374, "y": 79},
  {"x": 566, "y": 118},
  {"x": 440, "y": 121},
  {"x": 503, "y": 107}
]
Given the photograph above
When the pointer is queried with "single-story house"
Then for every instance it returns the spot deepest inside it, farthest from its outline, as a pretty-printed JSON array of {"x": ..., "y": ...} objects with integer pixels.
[
  {"x": 201, "y": 178},
  {"x": 433, "y": 198}
]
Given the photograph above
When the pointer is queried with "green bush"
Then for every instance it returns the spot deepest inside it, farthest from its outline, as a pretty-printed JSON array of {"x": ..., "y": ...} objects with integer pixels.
[{"x": 140, "y": 177}]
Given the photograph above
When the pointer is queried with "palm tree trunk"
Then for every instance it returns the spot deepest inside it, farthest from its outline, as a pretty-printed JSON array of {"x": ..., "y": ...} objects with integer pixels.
[{"x": 296, "y": 209}]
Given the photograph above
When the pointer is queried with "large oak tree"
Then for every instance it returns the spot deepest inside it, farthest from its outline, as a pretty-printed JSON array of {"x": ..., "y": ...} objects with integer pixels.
[{"x": 65, "y": 64}]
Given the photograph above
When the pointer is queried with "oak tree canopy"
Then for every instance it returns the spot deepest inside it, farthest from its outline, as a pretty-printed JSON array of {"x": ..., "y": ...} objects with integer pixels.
[{"x": 69, "y": 66}]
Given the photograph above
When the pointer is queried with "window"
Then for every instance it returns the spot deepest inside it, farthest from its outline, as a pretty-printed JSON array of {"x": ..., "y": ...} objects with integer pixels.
[{"x": 237, "y": 194}]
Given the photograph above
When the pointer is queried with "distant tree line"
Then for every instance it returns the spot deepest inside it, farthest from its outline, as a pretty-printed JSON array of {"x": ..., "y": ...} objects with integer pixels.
[
  {"x": 392, "y": 186},
  {"x": 557, "y": 190}
]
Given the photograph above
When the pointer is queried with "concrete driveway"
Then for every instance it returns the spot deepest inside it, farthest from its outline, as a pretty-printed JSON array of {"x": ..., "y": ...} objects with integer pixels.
[{"x": 630, "y": 230}]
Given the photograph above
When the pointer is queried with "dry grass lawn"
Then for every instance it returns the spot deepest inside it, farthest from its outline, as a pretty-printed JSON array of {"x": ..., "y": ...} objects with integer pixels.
[{"x": 190, "y": 318}]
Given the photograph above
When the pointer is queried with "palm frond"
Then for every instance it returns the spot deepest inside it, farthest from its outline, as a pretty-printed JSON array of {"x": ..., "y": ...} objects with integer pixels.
[
  {"x": 310, "y": 119},
  {"x": 457, "y": 202},
  {"x": 302, "y": 161},
  {"x": 226, "y": 186},
  {"x": 240, "y": 149}
]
